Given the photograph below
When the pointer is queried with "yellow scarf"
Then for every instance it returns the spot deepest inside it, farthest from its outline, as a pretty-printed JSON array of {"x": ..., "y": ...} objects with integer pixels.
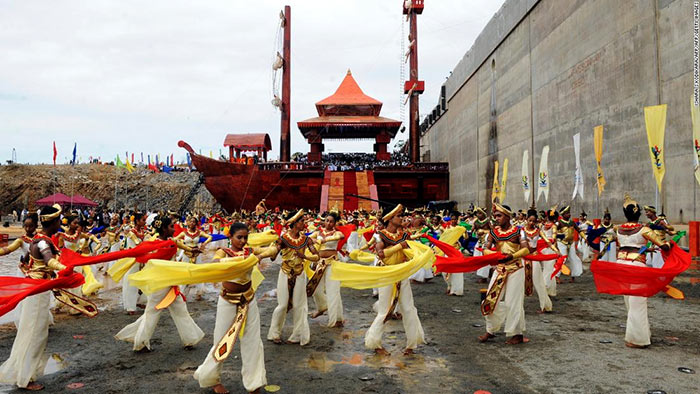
[
  {"x": 161, "y": 274},
  {"x": 359, "y": 276}
]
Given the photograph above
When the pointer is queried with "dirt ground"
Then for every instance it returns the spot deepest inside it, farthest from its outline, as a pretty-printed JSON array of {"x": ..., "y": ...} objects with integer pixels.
[{"x": 578, "y": 349}]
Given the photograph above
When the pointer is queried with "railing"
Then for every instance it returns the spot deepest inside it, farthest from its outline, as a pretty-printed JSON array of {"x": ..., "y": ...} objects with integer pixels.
[
  {"x": 294, "y": 166},
  {"x": 290, "y": 166},
  {"x": 441, "y": 167}
]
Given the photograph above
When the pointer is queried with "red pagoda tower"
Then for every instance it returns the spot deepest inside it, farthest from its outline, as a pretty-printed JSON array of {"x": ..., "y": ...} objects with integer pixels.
[{"x": 349, "y": 114}]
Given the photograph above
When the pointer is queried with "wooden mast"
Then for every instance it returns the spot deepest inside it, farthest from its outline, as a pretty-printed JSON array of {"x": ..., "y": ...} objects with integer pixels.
[
  {"x": 413, "y": 87},
  {"x": 285, "y": 139}
]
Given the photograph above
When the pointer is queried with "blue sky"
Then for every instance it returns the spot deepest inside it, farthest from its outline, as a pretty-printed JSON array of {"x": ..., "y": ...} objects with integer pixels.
[{"x": 126, "y": 75}]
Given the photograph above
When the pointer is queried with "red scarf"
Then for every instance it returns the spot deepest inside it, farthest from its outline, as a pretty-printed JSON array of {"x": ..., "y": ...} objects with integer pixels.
[
  {"x": 13, "y": 289},
  {"x": 346, "y": 230},
  {"x": 72, "y": 259},
  {"x": 622, "y": 279},
  {"x": 454, "y": 262}
]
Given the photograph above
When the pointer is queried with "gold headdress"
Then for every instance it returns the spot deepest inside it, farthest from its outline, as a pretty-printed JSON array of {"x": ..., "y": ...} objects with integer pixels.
[
  {"x": 500, "y": 208},
  {"x": 650, "y": 208},
  {"x": 629, "y": 201},
  {"x": 296, "y": 217},
  {"x": 392, "y": 213},
  {"x": 552, "y": 210},
  {"x": 480, "y": 209},
  {"x": 51, "y": 216},
  {"x": 565, "y": 209}
]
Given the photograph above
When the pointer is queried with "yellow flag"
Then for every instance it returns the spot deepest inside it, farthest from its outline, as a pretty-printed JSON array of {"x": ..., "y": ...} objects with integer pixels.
[
  {"x": 129, "y": 167},
  {"x": 496, "y": 190},
  {"x": 504, "y": 178},
  {"x": 695, "y": 115},
  {"x": 655, "y": 119},
  {"x": 598, "y": 146}
]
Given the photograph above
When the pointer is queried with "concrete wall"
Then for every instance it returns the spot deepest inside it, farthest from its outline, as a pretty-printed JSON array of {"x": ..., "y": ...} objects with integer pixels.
[{"x": 542, "y": 71}]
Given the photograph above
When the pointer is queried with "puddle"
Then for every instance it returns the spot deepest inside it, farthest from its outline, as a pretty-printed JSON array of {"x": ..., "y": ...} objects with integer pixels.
[
  {"x": 324, "y": 362},
  {"x": 55, "y": 364}
]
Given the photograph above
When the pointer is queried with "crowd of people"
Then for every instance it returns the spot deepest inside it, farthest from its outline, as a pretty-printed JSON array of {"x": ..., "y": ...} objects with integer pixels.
[
  {"x": 359, "y": 161},
  {"x": 157, "y": 257}
]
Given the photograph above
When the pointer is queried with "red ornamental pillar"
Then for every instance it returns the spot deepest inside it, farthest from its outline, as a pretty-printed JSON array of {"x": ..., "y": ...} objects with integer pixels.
[
  {"x": 316, "y": 148},
  {"x": 380, "y": 147}
]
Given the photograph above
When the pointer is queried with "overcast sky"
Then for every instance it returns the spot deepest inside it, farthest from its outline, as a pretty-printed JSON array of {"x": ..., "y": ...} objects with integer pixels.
[{"x": 137, "y": 76}]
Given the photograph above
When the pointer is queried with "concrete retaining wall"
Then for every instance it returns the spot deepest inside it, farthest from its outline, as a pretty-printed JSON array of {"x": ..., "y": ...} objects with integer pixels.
[{"x": 542, "y": 71}]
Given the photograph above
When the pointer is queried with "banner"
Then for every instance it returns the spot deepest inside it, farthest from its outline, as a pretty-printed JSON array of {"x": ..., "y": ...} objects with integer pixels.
[
  {"x": 496, "y": 189},
  {"x": 55, "y": 152},
  {"x": 129, "y": 167},
  {"x": 525, "y": 173},
  {"x": 543, "y": 176},
  {"x": 655, "y": 119},
  {"x": 75, "y": 150},
  {"x": 578, "y": 175},
  {"x": 118, "y": 162},
  {"x": 598, "y": 146},
  {"x": 695, "y": 116},
  {"x": 504, "y": 178}
]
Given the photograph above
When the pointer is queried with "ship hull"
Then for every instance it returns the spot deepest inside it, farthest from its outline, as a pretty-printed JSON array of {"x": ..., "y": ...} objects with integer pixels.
[{"x": 291, "y": 186}]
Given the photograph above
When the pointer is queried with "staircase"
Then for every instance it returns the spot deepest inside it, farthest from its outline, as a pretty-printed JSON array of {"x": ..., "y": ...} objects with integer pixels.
[{"x": 337, "y": 184}]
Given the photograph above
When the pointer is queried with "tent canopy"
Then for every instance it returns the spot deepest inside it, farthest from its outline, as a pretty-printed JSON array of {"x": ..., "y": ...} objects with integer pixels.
[
  {"x": 57, "y": 198},
  {"x": 62, "y": 199},
  {"x": 79, "y": 199}
]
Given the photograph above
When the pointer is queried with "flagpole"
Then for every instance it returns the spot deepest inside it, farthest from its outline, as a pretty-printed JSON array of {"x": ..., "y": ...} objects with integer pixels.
[
  {"x": 71, "y": 193},
  {"x": 656, "y": 199}
]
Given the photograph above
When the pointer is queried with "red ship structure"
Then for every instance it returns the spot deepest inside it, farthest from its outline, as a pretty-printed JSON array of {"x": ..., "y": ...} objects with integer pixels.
[{"x": 347, "y": 114}]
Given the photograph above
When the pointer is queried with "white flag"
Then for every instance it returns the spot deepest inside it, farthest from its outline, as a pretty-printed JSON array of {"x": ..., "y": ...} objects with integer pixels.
[
  {"x": 578, "y": 175},
  {"x": 543, "y": 175},
  {"x": 526, "y": 177}
]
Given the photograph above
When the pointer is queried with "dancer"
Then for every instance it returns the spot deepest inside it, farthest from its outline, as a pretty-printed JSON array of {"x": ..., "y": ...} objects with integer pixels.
[
  {"x": 74, "y": 239},
  {"x": 418, "y": 229},
  {"x": 392, "y": 242},
  {"x": 22, "y": 243},
  {"x": 534, "y": 233},
  {"x": 141, "y": 331},
  {"x": 508, "y": 276},
  {"x": 565, "y": 242},
  {"x": 27, "y": 360},
  {"x": 325, "y": 291},
  {"x": 584, "y": 225},
  {"x": 660, "y": 226},
  {"x": 190, "y": 237},
  {"x": 114, "y": 244},
  {"x": 137, "y": 234},
  {"x": 291, "y": 283},
  {"x": 480, "y": 230},
  {"x": 236, "y": 311},
  {"x": 549, "y": 231},
  {"x": 632, "y": 236},
  {"x": 608, "y": 246},
  {"x": 455, "y": 281}
]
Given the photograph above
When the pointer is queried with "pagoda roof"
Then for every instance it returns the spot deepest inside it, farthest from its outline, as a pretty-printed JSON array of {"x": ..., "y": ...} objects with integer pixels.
[
  {"x": 349, "y": 126},
  {"x": 249, "y": 141},
  {"x": 349, "y": 93}
]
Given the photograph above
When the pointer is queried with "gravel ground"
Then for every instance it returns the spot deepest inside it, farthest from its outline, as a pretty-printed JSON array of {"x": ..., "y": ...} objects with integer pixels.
[{"x": 568, "y": 352}]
